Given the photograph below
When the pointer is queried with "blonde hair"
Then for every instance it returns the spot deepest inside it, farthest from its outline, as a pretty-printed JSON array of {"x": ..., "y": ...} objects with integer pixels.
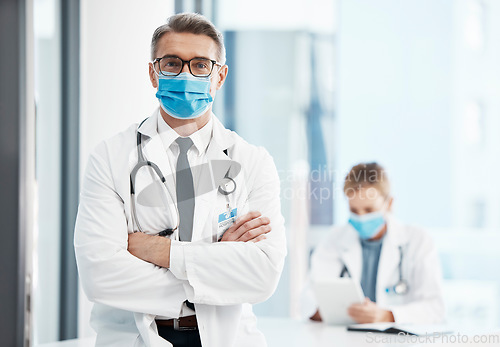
[{"x": 367, "y": 175}]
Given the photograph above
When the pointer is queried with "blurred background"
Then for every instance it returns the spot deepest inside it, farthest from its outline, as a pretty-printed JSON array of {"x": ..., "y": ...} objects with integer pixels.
[{"x": 323, "y": 85}]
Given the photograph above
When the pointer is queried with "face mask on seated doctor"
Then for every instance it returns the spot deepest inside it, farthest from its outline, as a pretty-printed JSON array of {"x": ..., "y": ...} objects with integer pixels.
[{"x": 369, "y": 209}]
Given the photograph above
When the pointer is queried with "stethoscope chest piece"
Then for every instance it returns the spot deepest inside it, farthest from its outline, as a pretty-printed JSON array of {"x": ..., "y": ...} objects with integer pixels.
[
  {"x": 227, "y": 186},
  {"x": 401, "y": 288}
]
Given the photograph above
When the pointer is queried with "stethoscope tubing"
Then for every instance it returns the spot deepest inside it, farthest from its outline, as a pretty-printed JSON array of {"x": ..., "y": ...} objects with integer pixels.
[
  {"x": 400, "y": 288},
  {"x": 141, "y": 162}
]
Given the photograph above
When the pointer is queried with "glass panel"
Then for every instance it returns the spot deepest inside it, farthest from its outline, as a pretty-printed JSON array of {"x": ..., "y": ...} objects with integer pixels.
[{"x": 48, "y": 157}]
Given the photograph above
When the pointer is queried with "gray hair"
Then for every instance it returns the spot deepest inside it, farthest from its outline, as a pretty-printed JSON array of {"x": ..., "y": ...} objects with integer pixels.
[{"x": 192, "y": 23}]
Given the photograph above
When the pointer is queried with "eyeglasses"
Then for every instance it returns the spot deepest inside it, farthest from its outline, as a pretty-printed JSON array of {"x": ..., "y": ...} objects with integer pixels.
[{"x": 172, "y": 66}]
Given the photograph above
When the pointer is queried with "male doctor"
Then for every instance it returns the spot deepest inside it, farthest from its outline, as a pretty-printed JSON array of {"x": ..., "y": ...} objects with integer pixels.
[{"x": 179, "y": 227}]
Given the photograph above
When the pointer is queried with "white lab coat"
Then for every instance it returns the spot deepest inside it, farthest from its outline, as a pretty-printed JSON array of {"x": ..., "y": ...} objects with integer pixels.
[
  {"x": 222, "y": 279},
  {"x": 421, "y": 269}
]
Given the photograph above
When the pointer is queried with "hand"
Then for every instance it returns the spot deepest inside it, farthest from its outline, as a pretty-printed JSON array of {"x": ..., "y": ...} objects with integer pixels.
[
  {"x": 150, "y": 248},
  {"x": 249, "y": 227},
  {"x": 316, "y": 317},
  {"x": 369, "y": 312}
]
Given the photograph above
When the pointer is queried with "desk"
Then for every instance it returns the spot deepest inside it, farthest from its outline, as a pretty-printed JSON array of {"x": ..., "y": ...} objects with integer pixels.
[
  {"x": 282, "y": 332},
  {"x": 286, "y": 332}
]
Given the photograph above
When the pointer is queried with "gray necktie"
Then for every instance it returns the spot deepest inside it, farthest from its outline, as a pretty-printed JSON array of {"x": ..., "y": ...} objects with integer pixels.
[{"x": 185, "y": 190}]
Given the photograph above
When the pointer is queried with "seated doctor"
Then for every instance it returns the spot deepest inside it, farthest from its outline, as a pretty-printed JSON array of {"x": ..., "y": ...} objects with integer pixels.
[
  {"x": 396, "y": 264},
  {"x": 179, "y": 228}
]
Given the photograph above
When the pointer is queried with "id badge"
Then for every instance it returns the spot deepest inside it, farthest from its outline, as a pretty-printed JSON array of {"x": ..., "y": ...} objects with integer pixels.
[{"x": 225, "y": 220}]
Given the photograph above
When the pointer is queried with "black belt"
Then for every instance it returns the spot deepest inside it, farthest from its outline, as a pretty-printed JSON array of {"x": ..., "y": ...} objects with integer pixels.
[{"x": 181, "y": 324}]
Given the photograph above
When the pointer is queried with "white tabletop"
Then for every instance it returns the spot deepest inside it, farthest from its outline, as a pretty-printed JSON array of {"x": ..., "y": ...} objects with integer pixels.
[
  {"x": 292, "y": 333},
  {"x": 287, "y": 332}
]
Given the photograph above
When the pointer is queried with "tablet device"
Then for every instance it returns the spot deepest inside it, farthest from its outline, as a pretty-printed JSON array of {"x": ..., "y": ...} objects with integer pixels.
[{"x": 334, "y": 296}]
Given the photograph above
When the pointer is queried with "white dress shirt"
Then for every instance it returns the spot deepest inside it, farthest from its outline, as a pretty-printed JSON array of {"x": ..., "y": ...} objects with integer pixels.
[{"x": 201, "y": 139}]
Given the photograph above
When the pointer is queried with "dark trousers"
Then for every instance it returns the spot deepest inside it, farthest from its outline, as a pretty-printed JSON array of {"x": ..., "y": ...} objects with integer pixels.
[{"x": 187, "y": 338}]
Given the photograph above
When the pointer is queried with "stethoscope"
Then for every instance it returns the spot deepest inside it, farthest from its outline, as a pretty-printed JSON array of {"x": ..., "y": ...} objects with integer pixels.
[
  {"x": 141, "y": 162},
  {"x": 400, "y": 288}
]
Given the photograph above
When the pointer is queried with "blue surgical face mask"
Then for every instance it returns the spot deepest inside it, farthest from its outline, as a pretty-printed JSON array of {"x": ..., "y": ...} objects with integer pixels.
[
  {"x": 184, "y": 96},
  {"x": 367, "y": 225}
]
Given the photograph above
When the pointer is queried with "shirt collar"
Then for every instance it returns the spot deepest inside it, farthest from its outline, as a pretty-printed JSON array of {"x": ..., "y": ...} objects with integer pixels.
[
  {"x": 372, "y": 243},
  {"x": 201, "y": 138}
]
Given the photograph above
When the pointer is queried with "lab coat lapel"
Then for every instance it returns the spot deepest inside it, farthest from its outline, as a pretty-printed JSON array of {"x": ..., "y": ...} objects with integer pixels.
[
  {"x": 218, "y": 163},
  {"x": 350, "y": 253},
  {"x": 154, "y": 151}
]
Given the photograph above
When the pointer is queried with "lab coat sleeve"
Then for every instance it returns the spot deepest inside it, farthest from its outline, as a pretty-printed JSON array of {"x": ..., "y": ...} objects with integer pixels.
[
  {"x": 228, "y": 273},
  {"x": 109, "y": 274},
  {"x": 426, "y": 305}
]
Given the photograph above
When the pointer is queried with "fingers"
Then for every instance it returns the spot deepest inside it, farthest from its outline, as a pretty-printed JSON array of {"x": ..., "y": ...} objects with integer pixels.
[
  {"x": 357, "y": 315},
  {"x": 363, "y": 313},
  {"x": 248, "y": 227},
  {"x": 354, "y": 313},
  {"x": 253, "y": 229},
  {"x": 229, "y": 234},
  {"x": 243, "y": 219},
  {"x": 258, "y": 238},
  {"x": 358, "y": 307},
  {"x": 356, "y": 310}
]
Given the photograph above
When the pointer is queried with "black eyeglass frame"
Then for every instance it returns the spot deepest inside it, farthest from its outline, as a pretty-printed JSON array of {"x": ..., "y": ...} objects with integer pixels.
[{"x": 188, "y": 62}]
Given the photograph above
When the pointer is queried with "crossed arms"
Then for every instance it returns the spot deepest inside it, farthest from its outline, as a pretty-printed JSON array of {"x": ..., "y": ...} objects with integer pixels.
[{"x": 152, "y": 274}]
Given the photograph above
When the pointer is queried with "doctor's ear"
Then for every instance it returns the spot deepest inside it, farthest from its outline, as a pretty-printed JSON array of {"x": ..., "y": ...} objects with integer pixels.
[
  {"x": 222, "y": 74},
  {"x": 389, "y": 204},
  {"x": 152, "y": 76}
]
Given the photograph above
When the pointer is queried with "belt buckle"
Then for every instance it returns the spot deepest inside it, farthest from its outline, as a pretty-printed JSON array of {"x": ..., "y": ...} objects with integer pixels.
[{"x": 179, "y": 328}]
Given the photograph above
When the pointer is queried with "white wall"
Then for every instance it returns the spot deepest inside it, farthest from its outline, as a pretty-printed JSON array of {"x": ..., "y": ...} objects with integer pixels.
[{"x": 115, "y": 87}]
